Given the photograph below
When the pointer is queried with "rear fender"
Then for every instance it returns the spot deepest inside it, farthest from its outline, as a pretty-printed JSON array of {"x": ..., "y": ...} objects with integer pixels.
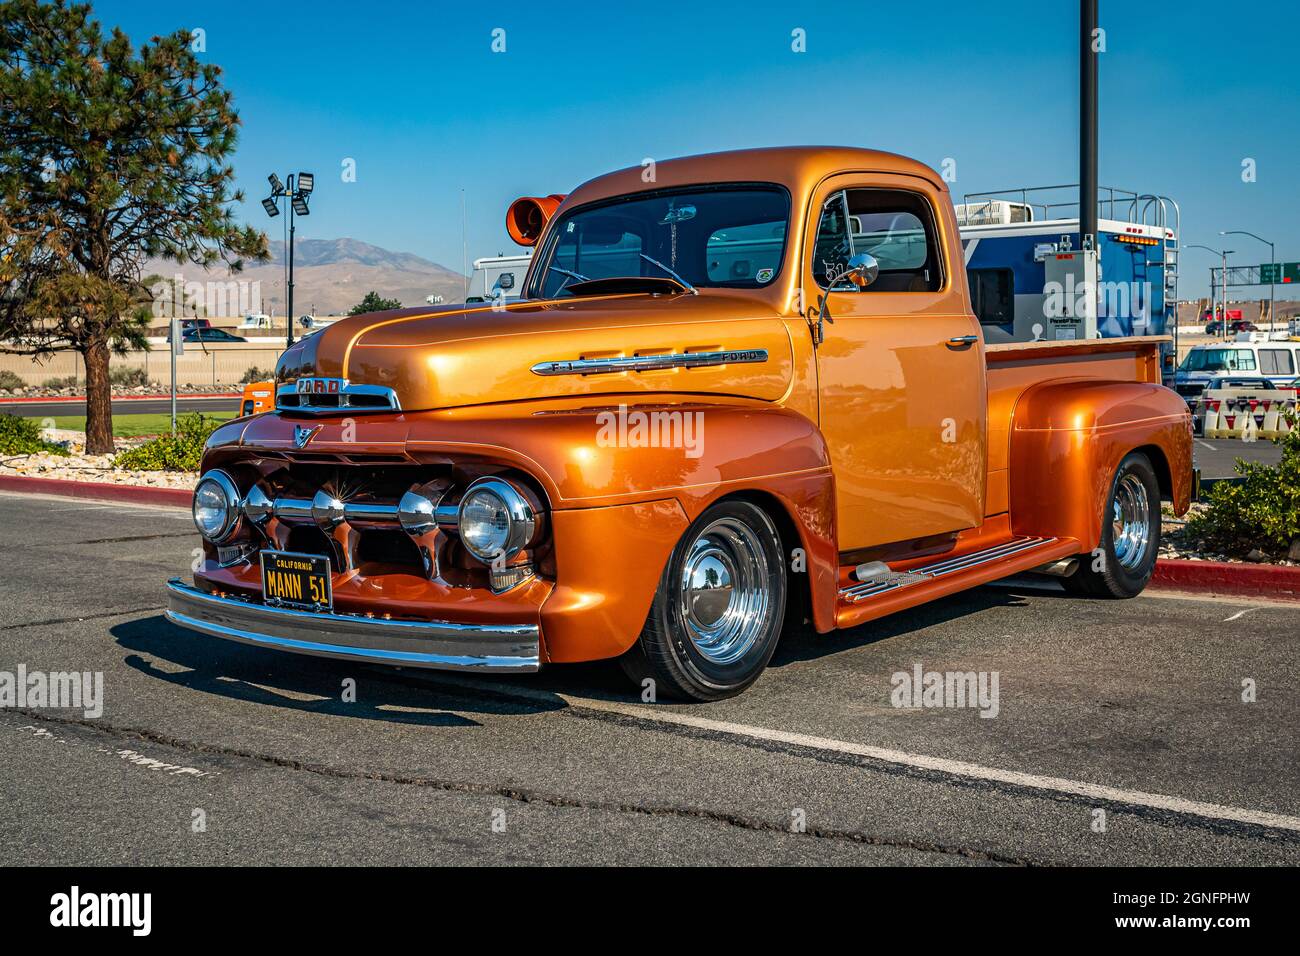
[{"x": 1067, "y": 439}]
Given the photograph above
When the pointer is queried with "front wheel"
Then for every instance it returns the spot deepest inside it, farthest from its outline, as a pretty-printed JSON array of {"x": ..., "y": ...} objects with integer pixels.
[
  {"x": 1130, "y": 535},
  {"x": 719, "y": 608}
]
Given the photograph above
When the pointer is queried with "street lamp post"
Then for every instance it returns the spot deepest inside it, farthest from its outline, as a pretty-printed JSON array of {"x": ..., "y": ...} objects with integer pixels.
[
  {"x": 1223, "y": 281},
  {"x": 1272, "y": 264},
  {"x": 297, "y": 191}
]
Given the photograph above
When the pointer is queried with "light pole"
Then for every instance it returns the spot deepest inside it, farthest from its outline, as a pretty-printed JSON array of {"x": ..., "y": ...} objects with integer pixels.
[
  {"x": 1223, "y": 280},
  {"x": 296, "y": 192},
  {"x": 1272, "y": 264}
]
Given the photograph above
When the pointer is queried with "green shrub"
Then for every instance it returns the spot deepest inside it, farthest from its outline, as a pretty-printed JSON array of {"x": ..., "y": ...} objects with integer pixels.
[
  {"x": 128, "y": 377},
  {"x": 257, "y": 375},
  {"x": 178, "y": 451},
  {"x": 10, "y": 380},
  {"x": 70, "y": 381},
  {"x": 22, "y": 436},
  {"x": 1261, "y": 511}
]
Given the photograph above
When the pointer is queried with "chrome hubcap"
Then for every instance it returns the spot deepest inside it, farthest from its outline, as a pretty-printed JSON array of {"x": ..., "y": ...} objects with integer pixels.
[
  {"x": 1130, "y": 521},
  {"x": 724, "y": 596}
]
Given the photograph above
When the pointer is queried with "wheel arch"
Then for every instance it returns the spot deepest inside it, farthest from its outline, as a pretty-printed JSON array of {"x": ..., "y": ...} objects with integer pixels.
[{"x": 804, "y": 518}]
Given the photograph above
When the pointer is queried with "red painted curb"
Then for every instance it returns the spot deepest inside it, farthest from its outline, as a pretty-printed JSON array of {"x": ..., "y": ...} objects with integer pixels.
[
  {"x": 1221, "y": 577},
  {"x": 98, "y": 491},
  {"x": 180, "y": 396}
]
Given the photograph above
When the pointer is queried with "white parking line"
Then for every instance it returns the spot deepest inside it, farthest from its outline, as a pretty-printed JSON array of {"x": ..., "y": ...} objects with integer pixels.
[{"x": 1091, "y": 791}]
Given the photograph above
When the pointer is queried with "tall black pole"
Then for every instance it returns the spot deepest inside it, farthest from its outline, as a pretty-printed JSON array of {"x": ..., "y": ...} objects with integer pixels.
[
  {"x": 289, "y": 322},
  {"x": 1088, "y": 123}
]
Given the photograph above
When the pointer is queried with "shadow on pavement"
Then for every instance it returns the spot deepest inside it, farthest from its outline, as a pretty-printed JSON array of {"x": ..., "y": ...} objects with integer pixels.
[
  {"x": 279, "y": 679},
  {"x": 805, "y": 644}
]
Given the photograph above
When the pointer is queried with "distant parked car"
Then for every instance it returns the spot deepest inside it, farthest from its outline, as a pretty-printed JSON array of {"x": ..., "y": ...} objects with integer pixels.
[
  {"x": 1215, "y": 326},
  {"x": 1240, "y": 381},
  {"x": 210, "y": 335},
  {"x": 256, "y": 320}
]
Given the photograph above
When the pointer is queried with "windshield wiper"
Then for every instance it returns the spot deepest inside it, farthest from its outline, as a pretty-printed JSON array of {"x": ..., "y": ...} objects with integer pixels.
[
  {"x": 686, "y": 285},
  {"x": 568, "y": 275}
]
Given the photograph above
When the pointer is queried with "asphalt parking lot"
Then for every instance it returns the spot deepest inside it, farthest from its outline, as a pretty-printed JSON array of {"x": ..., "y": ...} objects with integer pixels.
[
  {"x": 1123, "y": 713},
  {"x": 1216, "y": 457}
]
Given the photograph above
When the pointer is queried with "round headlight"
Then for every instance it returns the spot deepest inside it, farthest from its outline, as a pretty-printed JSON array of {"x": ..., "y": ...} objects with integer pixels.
[
  {"x": 216, "y": 506},
  {"x": 495, "y": 520}
]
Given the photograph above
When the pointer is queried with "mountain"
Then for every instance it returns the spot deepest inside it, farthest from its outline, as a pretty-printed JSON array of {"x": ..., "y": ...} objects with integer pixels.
[{"x": 332, "y": 275}]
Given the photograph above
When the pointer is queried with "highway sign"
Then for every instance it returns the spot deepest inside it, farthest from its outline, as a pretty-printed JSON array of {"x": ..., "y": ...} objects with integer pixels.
[{"x": 1272, "y": 273}]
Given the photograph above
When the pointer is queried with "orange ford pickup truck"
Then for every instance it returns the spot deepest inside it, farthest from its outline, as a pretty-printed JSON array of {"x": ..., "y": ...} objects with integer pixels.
[{"x": 747, "y": 393}]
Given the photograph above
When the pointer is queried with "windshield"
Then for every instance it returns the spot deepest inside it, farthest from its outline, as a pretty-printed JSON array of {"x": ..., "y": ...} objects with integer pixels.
[
  {"x": 1219, "y": 360},
  {"x": 717, "y": 237}
]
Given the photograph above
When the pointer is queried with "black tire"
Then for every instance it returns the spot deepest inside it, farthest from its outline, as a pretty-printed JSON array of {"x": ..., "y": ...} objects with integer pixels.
[
  {"x": 675, "y": 649},
  {"x": 1121, "y": 569}
]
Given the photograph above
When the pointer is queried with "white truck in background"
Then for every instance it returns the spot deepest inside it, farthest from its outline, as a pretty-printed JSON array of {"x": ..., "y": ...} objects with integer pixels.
[{"x": 498, "y": 277}]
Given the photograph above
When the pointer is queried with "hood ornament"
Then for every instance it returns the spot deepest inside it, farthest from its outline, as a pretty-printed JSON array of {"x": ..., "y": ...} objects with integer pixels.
[{"x": 303, "y": 435}]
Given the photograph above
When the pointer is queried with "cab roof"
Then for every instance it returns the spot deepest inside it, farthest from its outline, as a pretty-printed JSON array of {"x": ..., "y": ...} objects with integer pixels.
[{"x": 798, "y": 168}]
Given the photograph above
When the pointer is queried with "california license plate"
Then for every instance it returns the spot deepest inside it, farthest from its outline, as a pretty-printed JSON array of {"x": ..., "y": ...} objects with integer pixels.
[{"x": 296, "y": 580}]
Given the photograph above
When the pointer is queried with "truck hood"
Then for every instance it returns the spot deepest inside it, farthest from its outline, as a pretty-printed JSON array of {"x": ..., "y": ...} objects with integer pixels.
[{"x": 452, "y": 356}]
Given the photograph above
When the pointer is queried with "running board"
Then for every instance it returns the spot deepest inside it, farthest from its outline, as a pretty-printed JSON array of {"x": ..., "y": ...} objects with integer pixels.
[{"x": 890, "y": 591}]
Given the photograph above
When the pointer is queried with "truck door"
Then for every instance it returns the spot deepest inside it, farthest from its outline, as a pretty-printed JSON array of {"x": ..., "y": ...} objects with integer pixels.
[{"x": 901, "y": 362}]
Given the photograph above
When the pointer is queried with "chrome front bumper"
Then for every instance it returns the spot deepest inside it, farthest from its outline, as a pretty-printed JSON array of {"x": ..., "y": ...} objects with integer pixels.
[{"x": 504, "y": 648}]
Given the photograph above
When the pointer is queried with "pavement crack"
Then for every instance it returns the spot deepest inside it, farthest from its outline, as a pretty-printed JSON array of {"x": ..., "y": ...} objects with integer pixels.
[
  {"x": 528, "y": 795},
  {"x": 1169, "y": 818},
  {"x": 140, "y": 537},
  {"x": 82, "y": 617}
]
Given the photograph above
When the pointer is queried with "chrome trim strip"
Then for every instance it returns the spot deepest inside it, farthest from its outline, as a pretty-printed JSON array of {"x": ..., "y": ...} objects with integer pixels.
[
  {"x": 649, "y": 363},
  {"x": 445, "y": 645},
  {"x": 860, "y": 592}
]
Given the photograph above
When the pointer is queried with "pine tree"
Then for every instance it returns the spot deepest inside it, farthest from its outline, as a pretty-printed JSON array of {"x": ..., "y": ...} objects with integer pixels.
[{"x": 109, "y": 156}]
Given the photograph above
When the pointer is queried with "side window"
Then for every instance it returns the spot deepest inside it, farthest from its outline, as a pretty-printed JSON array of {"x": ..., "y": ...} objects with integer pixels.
[
  {"x": 894, "y": 226},
  {"x": 992, "y": 293},
  {"x": 1241, "y": 360},
  {"x": 1276, "y": 362}
]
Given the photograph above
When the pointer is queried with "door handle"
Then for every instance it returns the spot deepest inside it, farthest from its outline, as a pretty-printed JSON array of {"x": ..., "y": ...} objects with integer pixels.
[{"x": 961, "y": 341}]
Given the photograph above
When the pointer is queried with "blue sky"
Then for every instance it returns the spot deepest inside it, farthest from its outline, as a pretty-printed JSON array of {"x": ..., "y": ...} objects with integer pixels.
[{"x": 414, "y": 94}]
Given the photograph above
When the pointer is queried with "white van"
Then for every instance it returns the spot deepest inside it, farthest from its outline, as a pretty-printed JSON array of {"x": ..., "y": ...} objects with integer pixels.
[{"x": 1277, "y": 361}]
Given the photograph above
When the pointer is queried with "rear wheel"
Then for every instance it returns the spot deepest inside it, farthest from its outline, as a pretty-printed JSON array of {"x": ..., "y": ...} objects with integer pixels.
[
  {"x": 1130, "y": 535},
  {"x": 719, "y": 608}
]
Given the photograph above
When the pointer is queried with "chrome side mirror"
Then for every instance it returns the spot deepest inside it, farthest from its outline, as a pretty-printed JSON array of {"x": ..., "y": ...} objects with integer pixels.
[{"x": 862, "y": 270}]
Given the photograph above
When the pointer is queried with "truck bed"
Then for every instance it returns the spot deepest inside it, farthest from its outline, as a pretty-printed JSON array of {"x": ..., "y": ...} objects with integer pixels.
[{"x": 1014, "y": 367}]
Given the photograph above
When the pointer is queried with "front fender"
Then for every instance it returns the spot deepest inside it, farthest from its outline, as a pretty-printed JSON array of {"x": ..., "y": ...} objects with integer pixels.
[
  {"x": 1067, "y": 439},
  {"x": 623, "y": 481}
]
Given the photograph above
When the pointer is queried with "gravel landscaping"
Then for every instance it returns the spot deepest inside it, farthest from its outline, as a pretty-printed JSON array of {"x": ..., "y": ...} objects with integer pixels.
[
  {"x": 120, "y": 391},
  {"x": 79, "y": 466},
  {"x": 1175, "y": 543}
]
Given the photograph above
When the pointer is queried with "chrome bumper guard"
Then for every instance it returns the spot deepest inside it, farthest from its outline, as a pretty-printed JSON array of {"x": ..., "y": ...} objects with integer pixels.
[{"x": 504, "y": 648}]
